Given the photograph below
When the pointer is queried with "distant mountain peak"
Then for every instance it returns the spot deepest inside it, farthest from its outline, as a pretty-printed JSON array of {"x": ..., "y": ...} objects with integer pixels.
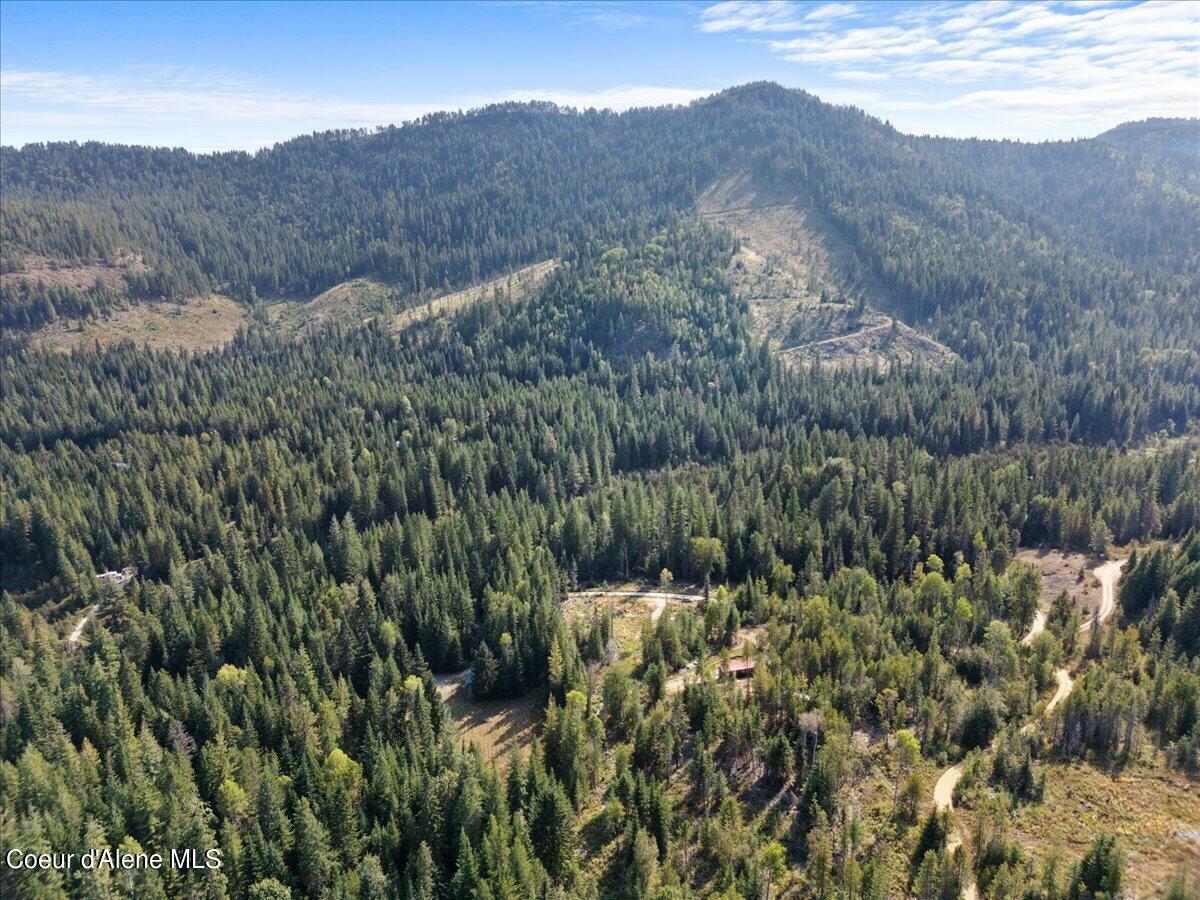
[{"x": 1179, "y": 138}]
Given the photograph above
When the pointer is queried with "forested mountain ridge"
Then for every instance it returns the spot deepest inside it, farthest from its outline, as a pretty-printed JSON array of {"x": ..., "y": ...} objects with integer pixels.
[
  {"x": 454, "y": 198},
  {"x": 1074, "y": 261},
  {"x": 1178, "y": 138},
  {"x": 319, "y": 527}
]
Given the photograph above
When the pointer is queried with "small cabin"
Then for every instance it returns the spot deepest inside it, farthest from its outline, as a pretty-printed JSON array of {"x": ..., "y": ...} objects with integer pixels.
[{"x": 740, "y": 667}]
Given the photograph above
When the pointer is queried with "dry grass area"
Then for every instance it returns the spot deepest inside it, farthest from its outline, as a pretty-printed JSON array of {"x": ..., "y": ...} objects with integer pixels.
[
  {"x": 1061, "y": 571},
  {"x": 201, "y": 323},
  {"x": 514, "y": 285},
  {"x": 496, "y": 727},
  {"x": 1154, "y": 812},
  {"x": 78, "y": 276},
  {"x": 629, "y": 613},
  {"x": 805, "y": 295}
]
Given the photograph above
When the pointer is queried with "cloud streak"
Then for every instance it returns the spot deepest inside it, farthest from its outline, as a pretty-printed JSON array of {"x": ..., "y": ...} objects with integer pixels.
[
  {"x": 1070, "y": 65},
  {"x": 772, "y": 16},
  {"x": 43, "y": 99}
]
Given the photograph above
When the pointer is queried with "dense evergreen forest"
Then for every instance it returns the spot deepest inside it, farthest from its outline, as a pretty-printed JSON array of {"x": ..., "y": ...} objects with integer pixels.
[{"x": 320, "y": 527}]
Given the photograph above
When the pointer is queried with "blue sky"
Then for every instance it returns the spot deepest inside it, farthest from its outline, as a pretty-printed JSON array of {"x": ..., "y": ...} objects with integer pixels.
[{"x": 211, "y": 76}]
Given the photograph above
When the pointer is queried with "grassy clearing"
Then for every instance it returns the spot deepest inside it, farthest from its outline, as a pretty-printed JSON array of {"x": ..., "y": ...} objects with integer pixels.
[
  {"x": 1153, "y": 810},
  {"x": 629, "y": 613},
  {"x": 200, "y": 323},
  {"x": 496, "y": 727}
]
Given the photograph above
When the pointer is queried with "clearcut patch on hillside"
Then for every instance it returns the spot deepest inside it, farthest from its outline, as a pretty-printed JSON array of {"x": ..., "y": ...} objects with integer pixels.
[
  {"x": 808, "y": 296},
  {"x": 351, "y": 303},
  {"x": 512, "y": 286},
  {"x": 1063, "y": 570},
  {"x": 875, "y": 341},
  {"x": 78, "y": 276},
  {"x": 359, "y": 300},
  {"x": 199, "y": 323}
]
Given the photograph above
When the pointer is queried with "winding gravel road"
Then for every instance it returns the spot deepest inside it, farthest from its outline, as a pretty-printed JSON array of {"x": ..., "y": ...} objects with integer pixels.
[
  {"x": 1107, "y": 575},
  {"x": 943, "y": 792},
  {"x": 1065, "y": 683},
  {"x": 1038, "y": 626}
]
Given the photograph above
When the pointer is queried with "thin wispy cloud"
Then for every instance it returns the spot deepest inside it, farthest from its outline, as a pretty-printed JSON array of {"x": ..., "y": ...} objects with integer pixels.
[
  {"x": 997, "y": 69},
  {"x": 1040, "y": 64},
  {"x": 773, "y": 15},
  {"x": 41, "y": 98},
  {"x": 181, "y": 93},
  {"x": 605, "y": 14}
]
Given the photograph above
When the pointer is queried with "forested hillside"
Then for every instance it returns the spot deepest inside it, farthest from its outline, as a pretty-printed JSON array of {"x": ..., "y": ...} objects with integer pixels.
[
  {"x": 1172, "y": 138},
  {"x": 1070, "y": 262},
  {"x": 318, "y": 527}
]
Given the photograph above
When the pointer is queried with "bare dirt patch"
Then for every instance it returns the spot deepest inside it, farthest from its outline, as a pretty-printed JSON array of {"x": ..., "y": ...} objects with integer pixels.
[
  {"x": 496, "y": 727},
  {"x": 200, "y": 323},
  {"x": 1061, "y": 571}
]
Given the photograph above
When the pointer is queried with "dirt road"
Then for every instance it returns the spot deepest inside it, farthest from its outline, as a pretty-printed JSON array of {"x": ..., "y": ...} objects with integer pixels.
[
  {"x": 1107, "y": 575},
  {"x": 77, "y": 632},
  {"x": 943, "y": 791},
  {"x": 943, "y": 798},
  {"x": 1065, "y": 683},
  {"x": 1038, "y": 626}
]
